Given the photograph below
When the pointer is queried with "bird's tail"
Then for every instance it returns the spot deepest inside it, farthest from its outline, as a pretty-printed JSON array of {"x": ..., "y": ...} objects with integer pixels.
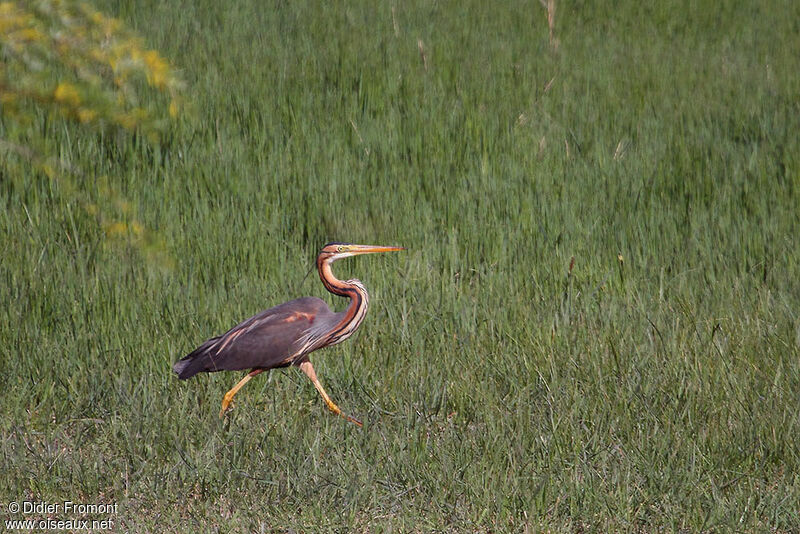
[
  {"x": 195, "y": 362},
  {"x": 186, "y": 367}
]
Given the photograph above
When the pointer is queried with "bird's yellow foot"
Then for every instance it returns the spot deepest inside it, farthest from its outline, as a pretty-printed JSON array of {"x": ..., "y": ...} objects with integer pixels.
[
  {"x": 226, "y": 401},
  {"x": 335, "y": 409}
]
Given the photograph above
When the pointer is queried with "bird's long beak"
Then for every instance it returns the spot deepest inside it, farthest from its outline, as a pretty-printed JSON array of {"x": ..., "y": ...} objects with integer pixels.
[{"x": 369, "y": 249}]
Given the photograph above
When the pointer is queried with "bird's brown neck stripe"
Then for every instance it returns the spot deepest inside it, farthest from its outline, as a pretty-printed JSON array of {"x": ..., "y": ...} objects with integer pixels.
[{"x": 357, "y": 309}]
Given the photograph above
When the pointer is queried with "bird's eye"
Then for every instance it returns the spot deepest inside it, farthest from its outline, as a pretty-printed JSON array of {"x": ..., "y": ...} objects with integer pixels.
[{"x": 341, "y": 249}]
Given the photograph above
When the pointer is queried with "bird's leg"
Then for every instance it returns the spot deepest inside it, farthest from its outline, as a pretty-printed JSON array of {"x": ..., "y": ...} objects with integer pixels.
[
  {"x": 226, "y": 400},
  {"x": 308, "y": 369}
]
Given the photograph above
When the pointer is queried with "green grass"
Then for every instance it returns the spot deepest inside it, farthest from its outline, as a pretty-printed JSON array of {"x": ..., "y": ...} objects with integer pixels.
[{"x": 498, "y": 392}]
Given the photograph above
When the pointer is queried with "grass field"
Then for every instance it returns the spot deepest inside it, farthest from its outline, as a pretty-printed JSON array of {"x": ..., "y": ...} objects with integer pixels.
[{"x": 655, "y": 387}]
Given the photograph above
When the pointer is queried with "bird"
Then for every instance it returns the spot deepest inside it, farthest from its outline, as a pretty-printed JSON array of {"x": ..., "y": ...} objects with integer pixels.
[{"x": 286, "y": 334}]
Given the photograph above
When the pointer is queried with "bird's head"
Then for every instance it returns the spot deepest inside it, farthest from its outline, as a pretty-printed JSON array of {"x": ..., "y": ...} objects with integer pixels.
[{"x": 336, "y": 251}]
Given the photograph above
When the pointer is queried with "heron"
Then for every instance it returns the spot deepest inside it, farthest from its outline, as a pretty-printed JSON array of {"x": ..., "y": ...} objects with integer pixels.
[{"x": 285, "y": 335}]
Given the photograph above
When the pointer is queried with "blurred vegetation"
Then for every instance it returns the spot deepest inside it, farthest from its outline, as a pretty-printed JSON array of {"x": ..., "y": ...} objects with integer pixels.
[
  {"x": 594, "y": 327},
  {"x": 64, "y": 59}
]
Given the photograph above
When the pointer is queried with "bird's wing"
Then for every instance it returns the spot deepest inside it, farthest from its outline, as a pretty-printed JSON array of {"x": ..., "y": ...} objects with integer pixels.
[{"x": 269, "y": 339}]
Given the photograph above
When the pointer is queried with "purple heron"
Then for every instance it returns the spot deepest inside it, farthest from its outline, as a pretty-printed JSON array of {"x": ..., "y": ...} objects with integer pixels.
[{"x": 286, "y": 334}]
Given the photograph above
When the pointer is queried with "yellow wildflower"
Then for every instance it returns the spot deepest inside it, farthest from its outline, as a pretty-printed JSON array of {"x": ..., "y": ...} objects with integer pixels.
[
  {"x": 116, "y": 229},
  {"x": 12, "y": 18},
  {"x": 30, "y": 34},
  {"x": 66, "y": 93},
  {"x": 126, "y": 120},
  {"x": 157, "y": 67},
  {"x": 112, "y": 25},
  {"x": 86, "y": 115},
  {"x": 99, "y": 55}
]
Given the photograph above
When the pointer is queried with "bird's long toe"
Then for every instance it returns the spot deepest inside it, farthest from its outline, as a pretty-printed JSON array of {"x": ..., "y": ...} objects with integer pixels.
[{"x": 226, "y": 402}]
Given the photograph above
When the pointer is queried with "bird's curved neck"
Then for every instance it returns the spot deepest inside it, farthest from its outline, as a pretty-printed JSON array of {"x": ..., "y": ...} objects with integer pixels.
[
  {"x": 355, "y": 291},
  {"x": 355, "y": 312}
]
